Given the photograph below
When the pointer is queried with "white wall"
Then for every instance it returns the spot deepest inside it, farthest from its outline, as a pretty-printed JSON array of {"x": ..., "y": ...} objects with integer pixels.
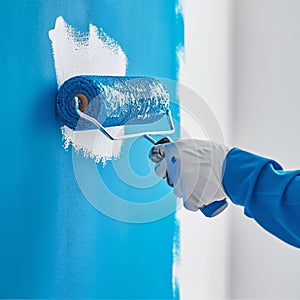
[
  {"x": 207, "y": 71},
  {"x": 243, "y": 57},
  {"x": 266, "y": 121}
]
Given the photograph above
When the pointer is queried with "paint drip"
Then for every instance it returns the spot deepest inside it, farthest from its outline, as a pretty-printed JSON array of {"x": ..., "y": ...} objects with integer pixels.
[{"x": 87, "y": 53}]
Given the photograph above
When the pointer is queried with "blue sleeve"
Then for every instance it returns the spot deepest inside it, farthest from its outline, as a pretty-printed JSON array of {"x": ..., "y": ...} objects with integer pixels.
[{"x": 268, "y": 194}]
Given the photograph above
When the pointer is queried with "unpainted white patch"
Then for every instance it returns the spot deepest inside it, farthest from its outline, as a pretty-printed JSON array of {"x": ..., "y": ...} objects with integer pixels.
[
  {"x": 87, "y": 53},
  {"x": 93, "y": 144}
]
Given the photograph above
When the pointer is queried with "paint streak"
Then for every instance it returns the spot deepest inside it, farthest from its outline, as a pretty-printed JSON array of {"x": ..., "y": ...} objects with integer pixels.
[{"x": 87, "y": 53}]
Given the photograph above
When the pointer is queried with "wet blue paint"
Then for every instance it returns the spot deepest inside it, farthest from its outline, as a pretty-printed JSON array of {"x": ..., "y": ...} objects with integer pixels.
[
  {"x": 142, "y": 105},
  {"x": 54, "y": 243}
]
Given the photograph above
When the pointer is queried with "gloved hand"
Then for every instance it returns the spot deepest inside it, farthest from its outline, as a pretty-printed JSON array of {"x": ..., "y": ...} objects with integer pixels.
[{"x": 194, "y": 169}]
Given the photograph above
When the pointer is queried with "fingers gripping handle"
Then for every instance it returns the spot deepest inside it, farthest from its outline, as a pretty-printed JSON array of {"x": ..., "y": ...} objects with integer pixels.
[{"x": 211, "y": 210}]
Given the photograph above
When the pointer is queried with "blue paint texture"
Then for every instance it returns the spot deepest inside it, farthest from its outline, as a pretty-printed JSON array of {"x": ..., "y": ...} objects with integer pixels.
[
  {"x": 54, "y": 243},
  {"x": 145, "y": 100}
]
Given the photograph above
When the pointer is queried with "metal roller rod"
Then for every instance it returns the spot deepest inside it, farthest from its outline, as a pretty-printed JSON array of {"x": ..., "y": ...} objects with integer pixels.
[{"x": 122, "y": 137}]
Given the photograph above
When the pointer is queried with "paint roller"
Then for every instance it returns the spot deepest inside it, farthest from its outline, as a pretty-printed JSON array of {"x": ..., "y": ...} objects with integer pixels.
[{"x": 89, "y": 102}]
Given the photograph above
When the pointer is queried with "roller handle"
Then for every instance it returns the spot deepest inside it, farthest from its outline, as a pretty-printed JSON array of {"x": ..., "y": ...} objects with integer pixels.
[
  {"x": 210, "y": 210},
  {"x": 214, "y": 208},
  {"x": 155, "y": 154}
]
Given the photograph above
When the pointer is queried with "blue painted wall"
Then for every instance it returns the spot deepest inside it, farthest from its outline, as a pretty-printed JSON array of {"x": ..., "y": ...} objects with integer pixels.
[{"x": 53, "y": 242}]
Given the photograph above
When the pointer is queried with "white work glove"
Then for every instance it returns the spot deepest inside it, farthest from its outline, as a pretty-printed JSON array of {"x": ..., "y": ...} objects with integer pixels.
[{"x": 194, "y": 169}]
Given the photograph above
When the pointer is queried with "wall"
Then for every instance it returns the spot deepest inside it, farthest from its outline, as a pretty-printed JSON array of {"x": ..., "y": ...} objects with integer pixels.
[
  {"x": 54, "y": 243},
  {"x": 266, "y": 121},
  {"x": 206, "y": 69},
  {"x": 242, "y": 57}
]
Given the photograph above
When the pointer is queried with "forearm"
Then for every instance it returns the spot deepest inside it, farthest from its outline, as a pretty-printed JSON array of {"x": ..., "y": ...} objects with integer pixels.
[{"x": 269, "y": 195}]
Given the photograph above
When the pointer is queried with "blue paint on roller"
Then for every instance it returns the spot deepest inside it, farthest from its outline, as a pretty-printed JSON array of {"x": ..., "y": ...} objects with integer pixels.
[{"x": 113, "y": 100}]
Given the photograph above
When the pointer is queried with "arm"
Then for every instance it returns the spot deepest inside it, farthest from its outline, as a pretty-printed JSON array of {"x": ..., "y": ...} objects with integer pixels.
[{"x": 269, "y": 195}]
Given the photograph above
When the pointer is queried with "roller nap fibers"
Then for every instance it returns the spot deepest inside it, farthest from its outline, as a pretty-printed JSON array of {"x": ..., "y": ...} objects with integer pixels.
[{"x": 112, "y": 100}]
